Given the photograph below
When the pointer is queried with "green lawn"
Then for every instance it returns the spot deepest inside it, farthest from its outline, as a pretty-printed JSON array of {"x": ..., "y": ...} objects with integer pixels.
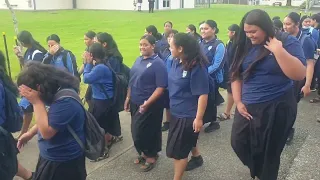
[{"x": 125, "y": 26}]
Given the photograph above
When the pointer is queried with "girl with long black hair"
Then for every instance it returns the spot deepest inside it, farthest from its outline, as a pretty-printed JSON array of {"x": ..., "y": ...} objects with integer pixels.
[
  {"x": 161, "y": 41},
  {"x": 192, "y": 30},
  {"x": 61, "y": 157},
  {"x": 265, "y": 65},
  {"x": 34, "y": 52}
]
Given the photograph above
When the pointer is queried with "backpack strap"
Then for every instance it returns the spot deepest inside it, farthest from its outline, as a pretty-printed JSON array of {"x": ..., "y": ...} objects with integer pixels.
[
  {"x": 34, "y": 53},
  {"x": 70, "y": 93}
]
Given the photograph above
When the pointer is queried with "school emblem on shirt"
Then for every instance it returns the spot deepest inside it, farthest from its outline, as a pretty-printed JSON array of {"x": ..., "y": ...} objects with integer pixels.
[
  {"x": 209, "y": 48},
  {"x": 184, "y": 74},
  {"x": 149, "y": 64}
]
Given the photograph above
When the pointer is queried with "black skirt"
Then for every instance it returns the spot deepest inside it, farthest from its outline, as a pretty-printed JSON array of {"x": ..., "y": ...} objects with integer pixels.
[
  {"x": 106, "y": 115},
  {"x": 69, "y": 170},
  {"x": 146, "y": 129},
  {"x": 181, "y": 138},
  {"x": 259, "y": 142}
]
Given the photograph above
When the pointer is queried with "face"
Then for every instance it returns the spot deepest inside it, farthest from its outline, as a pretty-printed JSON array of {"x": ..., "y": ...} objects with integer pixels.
[
  {"x": 306, "y": 22},
  {"x": 176, "y": 52},
  {"x": 167, "y": 27},
  {"x": 254, "y": 33},
  {"x": 146, "y": 49},
  {"x": 147, "y": 33},
  {"x": 170, "y": 37},
  {"x": 206, "y": 31},
  {"x": 289, "y": 26},
  {"x": 51, "y": 43},
  {"x": 188, "y": 30},
  {"x": 231, "y": 34},
  {"x": 87, "y": 41}
]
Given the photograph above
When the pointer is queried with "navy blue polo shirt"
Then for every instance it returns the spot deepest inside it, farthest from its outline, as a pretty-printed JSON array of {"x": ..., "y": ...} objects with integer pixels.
[
  {"x": 308, "y": 46},
  {"x": 57, "y": 61},
  {"x": 267, "y": 81},
  {"x": 145, "y": 76},
  {"x": 2, "y": 104},
  {"x": 185, "y": 87},
  {"x": 99, "y": 76},
  {"x": 160, "y": 47},
  {"x": 62, "y": 146}
]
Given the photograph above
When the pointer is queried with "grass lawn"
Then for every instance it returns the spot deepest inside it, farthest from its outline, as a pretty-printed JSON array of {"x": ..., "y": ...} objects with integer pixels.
[{"x": 125, "y": 26}]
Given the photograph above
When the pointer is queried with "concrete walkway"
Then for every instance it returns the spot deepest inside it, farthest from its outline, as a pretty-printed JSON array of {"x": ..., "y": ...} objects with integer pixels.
[{"x": 220, "y": 161}]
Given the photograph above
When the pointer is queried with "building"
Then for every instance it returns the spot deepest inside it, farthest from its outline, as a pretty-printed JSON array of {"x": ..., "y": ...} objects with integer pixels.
[{"x": 95, "y": 4}]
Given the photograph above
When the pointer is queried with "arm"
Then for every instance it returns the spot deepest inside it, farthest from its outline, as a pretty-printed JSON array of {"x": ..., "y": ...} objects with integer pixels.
[
  {"x": 42, "y": 121},
  {"x": 236, "y": 87},
  {"x": 291, "y": 66},
  {"x": 315, "y": 35},
  {"x": 92, "y": 75},
  {"x": 81, "y": 70},
  {"x": 310, "y": 71},
  {"x": 34, "y": 130},
  {"x": 217, "y": 59},
  {"x": 309, "y": 50},
  {"x": 202, "y": 106}
]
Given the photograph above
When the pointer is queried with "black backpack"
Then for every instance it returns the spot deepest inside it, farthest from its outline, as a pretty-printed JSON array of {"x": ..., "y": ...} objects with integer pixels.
[
  {"x": 120, "y": 87},
  {"x": 74, "y": 62},
  {"x": 8, "y": 155},
  {"x": 125, "y": 70},
  {"x": 13, "y": 112},
  {"x": 95, "y": 141}
]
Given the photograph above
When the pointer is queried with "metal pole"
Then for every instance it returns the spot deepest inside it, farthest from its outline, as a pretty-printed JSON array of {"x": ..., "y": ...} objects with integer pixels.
[{"x": 7, "y": 52}]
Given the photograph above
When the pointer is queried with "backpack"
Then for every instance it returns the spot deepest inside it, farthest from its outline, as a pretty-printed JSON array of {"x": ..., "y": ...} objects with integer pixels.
[
  {"x": 95, "y": 141},
  {"x": 13, "y": 111},
  {"x": 8, "y": 155},
  {"x": 74, "y": 62},
  {"x": 120, "y": 88},
  {"x": 125, "y": 70}
]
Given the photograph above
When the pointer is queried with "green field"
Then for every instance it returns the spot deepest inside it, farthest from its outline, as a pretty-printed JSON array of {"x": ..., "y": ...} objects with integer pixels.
[{"x": 125, "y": 26}]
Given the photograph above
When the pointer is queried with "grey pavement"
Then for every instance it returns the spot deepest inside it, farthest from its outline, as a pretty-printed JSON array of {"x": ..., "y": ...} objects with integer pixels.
[{"x": 300, "y": 160}]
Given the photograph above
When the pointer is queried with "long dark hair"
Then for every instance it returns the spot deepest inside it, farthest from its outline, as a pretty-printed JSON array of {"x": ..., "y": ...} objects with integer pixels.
[
  {"x": 236, "y": 29},
  {"x": 194, "y": 29},
  {"x": 258, "y": 18},
  {"x": 6, "y": 80},
  {"x": 97, "y": 51},
  {"x": 112, "y": 47},
  {"x": 192, "y": 53},
  {"x": 48, "y": 78},
  {"x": 26, "y": 38},
  {"x": 154, "y": 31}
]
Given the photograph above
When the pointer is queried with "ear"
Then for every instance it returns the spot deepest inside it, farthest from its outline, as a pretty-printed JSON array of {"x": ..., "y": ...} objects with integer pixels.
[{"x": 180, "y": 49}]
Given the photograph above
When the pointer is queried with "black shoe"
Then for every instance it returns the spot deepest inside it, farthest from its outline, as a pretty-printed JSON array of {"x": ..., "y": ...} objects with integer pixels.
[
  {"x": 290, "y": 137},
  {"x": 165, "y": 126},
  {"x": 212, "y": 127},
  {"x": 194, "y": 163}
]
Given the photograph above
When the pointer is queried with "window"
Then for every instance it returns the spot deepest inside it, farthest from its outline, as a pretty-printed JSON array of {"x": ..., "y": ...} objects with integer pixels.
[{"x": 166, "y": 3}]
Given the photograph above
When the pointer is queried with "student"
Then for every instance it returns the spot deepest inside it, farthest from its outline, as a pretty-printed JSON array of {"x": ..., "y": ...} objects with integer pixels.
[
  {"x": 112, "y": 53},
  {"x": 191, "y": 29},
  {"x": 167, "y": 27},
  {"x": 161, "y": 41},
  {"x": 139, "y": 3},
  {"x": 6, "y": 82},
  {"x": 168, "y": 62},
  {"x": 215, "y": 52},
  {"x": 88, "y": 41},
  {"x": 278, "y": 24},
  {"x": 34, "y": 52},
  {"x": 262, "y": 74},
  {"x": 100, "y": 78},
  {"x": 315, "y": 23},
  {"x": 188, "y": 89},
  {"x": 148, "y": 81},
  {"x": 151, "y": 5},
  {"x": 58, "y": 56},
  {"x": 61, "y": 157},
  {"x": 233, "y": 33},
  {"x": 305, "y": 26},
  {"x": 291, "y": 25}
]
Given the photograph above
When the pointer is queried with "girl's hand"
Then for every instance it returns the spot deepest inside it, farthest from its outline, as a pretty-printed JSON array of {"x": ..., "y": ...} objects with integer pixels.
[
  {"x": 273, "y": 45},
  {"x": 243, "y": 111},
  {"x": 31, "y": 95},
  {"x": 197, "y": 125}
]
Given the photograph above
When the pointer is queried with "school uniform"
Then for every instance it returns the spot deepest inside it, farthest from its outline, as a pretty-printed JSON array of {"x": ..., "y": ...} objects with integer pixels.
[
  {"x": 146, "y": 75},
  {"x": 268, "y": 96},
  {"x": 61, "y": 157},
  {"x": 313, "y": 32},
  {"x": 31, "y": 54},
  {"x": 57, "y": 61},
  {"x": 230, "y": 56},
  {"x": 168, "y": 63},
  {"x": 215, "y": 53},
  {"x": 185, "y": 87},
  {"x": 161, "y": 48},
  {"x": 2, "y": 104},
  {"x": 100, "y": 78},
  {"x": 151, "y": 5}
]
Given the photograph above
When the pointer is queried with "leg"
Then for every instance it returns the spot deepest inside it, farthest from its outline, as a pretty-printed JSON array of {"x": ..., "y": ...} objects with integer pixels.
[
  {"x": 214, "y": 125},
  {"x": 230, "y": 103},
  {"x": 165, "y": 126},
  {"x": 24, "y": 173},
  {"x": 179, "y": 168},
  {"x": 196, "y": 159}
]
